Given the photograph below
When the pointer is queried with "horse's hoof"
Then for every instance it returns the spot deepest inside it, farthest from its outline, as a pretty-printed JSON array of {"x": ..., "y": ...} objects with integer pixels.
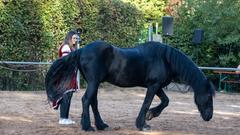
[
  {"x": 146, "y": 127},
  {"x": 149, "y": 115},
  {"x": 102, "y": 126},
  {"x": 90, "y": 129}
]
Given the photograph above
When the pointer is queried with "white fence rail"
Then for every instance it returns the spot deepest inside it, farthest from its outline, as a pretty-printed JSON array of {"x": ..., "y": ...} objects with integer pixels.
[
  {"x": 49, "y": 63},
  {"x": 25, "y": 63}
]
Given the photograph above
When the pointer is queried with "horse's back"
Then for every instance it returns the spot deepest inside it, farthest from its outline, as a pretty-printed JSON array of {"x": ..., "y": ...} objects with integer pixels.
[{"x": 124, "y": 66}]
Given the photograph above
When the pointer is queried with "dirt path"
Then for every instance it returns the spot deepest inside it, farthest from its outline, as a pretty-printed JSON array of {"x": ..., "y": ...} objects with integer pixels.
[{"x": 27, "y": 113}]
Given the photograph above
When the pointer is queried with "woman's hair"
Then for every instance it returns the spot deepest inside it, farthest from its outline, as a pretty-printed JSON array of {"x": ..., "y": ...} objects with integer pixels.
[{"x": 68, "y": 37}]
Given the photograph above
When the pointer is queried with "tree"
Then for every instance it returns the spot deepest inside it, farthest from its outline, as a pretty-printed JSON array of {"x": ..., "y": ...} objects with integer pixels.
[{"x": 219, "y": 19}]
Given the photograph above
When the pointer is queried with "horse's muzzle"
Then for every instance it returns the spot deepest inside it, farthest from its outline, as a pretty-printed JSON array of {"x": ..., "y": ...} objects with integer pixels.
[{"x": 207, "y": 115}]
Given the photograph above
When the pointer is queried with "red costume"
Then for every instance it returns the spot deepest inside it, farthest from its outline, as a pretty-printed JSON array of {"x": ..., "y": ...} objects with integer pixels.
[{"x": 63, "y": 51}]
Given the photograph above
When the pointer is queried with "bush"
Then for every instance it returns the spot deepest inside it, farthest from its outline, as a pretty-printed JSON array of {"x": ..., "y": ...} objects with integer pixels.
[{"x": 32, "y": 30}]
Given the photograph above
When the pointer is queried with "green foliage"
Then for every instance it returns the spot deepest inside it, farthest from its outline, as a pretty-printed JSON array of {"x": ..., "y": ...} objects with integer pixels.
[
  {"x": 120, "y": 21},
  {"x": 110, "y": 20},
  {"x": 17, "y": 33},
  {"x": 38, "y": 27},
  {"x": 32, "y": 30},
  {"x": 219, "y": 19},
  {"x": 153, "y": 10},
  {"x": 58, "y": 17}
]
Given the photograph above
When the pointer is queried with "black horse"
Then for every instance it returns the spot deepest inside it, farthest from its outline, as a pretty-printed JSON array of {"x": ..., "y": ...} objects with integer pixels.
[{"x": 151, "y": 65}]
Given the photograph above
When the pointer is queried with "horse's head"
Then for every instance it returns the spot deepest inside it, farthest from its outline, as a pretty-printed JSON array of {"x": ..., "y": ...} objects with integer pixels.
[{"x": 204, "y": 100}]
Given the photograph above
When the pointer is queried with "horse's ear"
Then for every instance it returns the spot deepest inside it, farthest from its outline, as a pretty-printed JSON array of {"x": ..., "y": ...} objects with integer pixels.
[{"x": 211, "y": 87}]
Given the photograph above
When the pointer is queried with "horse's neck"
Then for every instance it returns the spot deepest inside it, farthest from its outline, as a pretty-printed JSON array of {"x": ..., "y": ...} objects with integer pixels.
[{"x": 185, "y": 69}]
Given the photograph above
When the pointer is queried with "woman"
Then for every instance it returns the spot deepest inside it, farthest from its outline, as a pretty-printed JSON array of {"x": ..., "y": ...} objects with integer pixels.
[{"x": 68, "y": 45}]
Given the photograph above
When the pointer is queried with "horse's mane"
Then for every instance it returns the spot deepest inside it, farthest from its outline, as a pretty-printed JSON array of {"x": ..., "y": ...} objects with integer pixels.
[
  {"x": 185, "y": 68},
  {"x": 179, "y": 64}
]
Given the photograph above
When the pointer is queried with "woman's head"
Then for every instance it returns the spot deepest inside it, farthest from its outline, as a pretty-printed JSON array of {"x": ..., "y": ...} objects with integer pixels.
[{"x": 71, "y": 38}]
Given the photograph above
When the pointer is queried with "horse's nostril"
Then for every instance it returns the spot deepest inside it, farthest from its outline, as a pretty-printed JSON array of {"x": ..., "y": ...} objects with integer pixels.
[{"x": 208, "y": 118}]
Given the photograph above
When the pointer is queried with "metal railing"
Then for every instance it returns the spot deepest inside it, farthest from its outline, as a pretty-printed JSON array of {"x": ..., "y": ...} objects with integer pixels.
[
  {"x": 23, "y": 67},
  {"x": 220, "y": 68},
  {"x": 49, "y": 63},
  {"x": 25, "y": 63}
]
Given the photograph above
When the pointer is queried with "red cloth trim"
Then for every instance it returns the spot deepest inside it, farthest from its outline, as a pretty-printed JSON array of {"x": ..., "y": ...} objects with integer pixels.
[
  {"x": 60, "y": 51},
  {"x": 55, "y": 104},
  {"x": 64, "y": 52}
]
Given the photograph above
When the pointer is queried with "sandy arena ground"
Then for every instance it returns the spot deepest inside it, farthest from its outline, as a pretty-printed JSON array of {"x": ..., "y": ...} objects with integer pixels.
[{"x": 28, "y": 113}]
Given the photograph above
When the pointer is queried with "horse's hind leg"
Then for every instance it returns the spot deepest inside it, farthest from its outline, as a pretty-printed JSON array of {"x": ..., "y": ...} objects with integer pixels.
[
  {"x": 140, "y": 122},
  {"x": 86, "y": 101},
  {"x": 98, "y": 120},
  {"x": 156, "y": 111}
]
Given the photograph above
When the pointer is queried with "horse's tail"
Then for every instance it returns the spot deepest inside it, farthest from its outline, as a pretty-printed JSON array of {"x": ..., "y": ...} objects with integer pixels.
[{"x": 60, "y": 74}]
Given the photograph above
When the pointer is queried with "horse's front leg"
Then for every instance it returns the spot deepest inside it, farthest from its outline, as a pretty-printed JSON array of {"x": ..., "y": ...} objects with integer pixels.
[
  {"x": 98, "y": 120},
  {"x": 156, "y": 111},
  {"x": 140, "y": 122},
  {"x": 86, "y": 101}
]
